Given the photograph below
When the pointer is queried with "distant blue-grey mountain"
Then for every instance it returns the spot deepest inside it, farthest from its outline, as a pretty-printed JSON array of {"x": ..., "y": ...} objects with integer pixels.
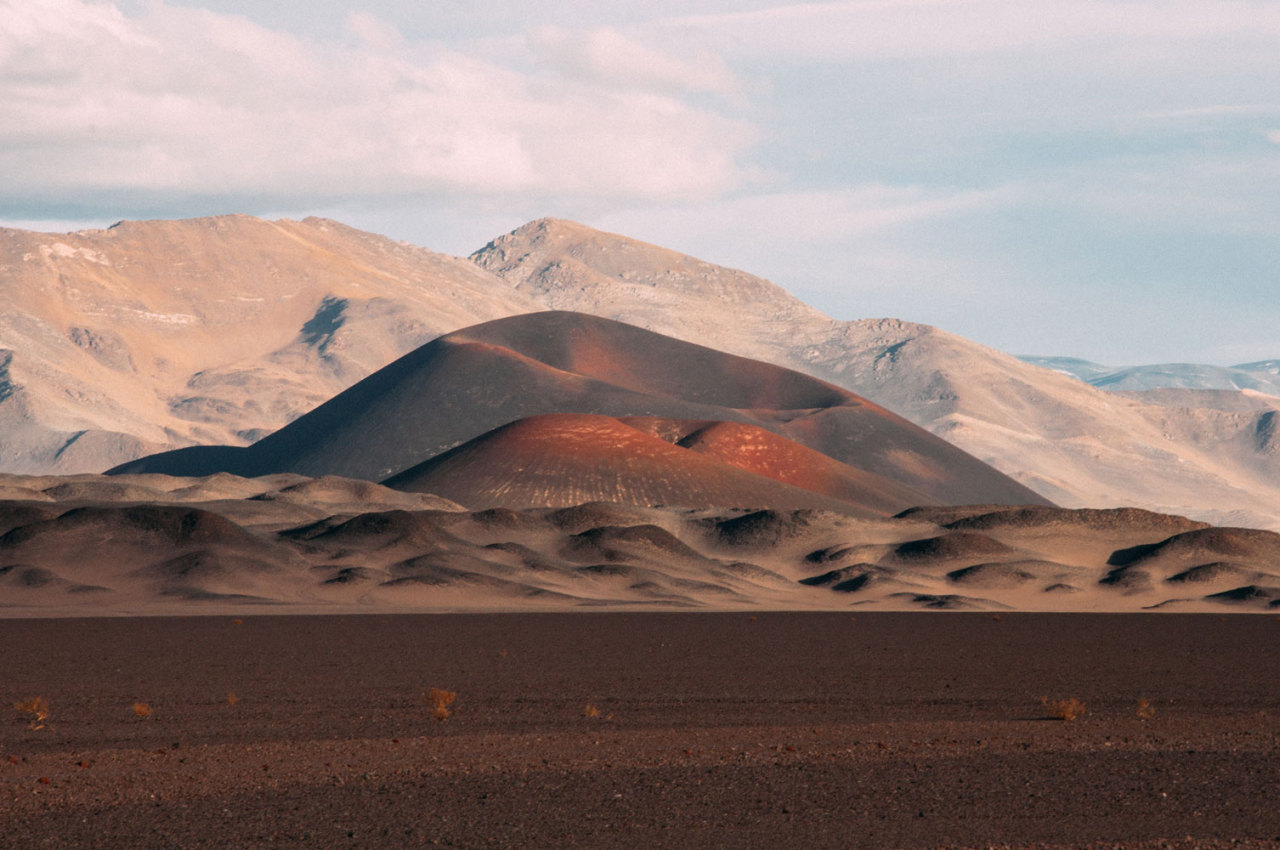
[{"x": 1262, "y": 376}]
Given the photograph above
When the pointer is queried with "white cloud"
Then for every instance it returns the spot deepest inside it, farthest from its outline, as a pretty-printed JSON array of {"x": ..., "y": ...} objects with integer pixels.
[
  {"x": 807, "y": 218},
  {"x": 181, "y": 100},
  {"x": 851, "y": 252},
  {"x": 916, "y": 28},
  {"x": 373, "y": 32},
  {"x": 607, "y": 55}
]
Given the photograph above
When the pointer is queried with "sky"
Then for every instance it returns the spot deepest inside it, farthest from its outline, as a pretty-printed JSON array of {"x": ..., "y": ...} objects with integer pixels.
[{"x": 1066, "y": 177}]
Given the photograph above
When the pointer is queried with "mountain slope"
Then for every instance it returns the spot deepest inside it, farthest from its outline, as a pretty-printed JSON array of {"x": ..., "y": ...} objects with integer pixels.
[
  {"x": 559, "y": 460},
  {"x": 218, "y": 330},
  {"x": 159, "y": 334},
  {"x": 1068, "y": 441},
  {"x": 467, "y": 383}
]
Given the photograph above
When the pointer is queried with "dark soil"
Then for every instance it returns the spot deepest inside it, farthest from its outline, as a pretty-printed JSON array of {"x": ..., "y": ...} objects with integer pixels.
[{"x": 643, "y": 730}]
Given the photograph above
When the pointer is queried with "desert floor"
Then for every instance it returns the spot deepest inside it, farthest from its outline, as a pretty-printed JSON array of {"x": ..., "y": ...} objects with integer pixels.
[{"x": 642, "y": 730}]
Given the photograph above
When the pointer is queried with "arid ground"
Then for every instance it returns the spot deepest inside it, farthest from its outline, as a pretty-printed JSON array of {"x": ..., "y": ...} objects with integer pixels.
[{"x": 642, "y": 730}]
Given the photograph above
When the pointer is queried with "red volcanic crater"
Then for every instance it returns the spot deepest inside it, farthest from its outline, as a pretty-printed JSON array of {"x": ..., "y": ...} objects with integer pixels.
[
  {"x": 764, "y": 453},
  {"x": 465, "y": 384},
  {"x": 559, "y": 460}
]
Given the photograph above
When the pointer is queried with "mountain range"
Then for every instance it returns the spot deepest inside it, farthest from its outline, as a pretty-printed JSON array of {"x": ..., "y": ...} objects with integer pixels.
[
  {"x": 154, "y": 335},
  {"x": 1262, "y": 377}
]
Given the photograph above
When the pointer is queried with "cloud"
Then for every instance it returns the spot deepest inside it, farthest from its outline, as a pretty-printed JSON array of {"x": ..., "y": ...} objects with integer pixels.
[
  {"x": 373, "y": 32},
  {"x": 607, "y": 55},
  {"x": 917, "y": 28},
  {"x": 806, "y": 218},
  {"x": 55, "y": 225},
  {"x": 188, "y": 101},
  {"x": 830, "y": 245}
]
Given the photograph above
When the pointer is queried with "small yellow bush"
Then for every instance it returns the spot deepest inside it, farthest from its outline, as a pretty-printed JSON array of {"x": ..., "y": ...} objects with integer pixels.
[
  {"x": 440, "y": 700},
  {"x": 35, "y": 709},
  {"x": 1064, "y": 709}
]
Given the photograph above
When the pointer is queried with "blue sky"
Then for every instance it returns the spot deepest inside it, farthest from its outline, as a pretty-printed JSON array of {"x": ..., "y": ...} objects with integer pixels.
[{"x": 1077, "y": 177}]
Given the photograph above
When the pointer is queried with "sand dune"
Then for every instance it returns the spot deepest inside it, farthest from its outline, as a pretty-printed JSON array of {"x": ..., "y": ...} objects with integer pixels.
[
  {"x": 291, "y": 544},
  {"x": 153, "y": 551}
]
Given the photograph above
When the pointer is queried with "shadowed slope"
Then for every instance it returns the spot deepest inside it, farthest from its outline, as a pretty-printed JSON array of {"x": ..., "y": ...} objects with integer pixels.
[
  {"x": 169, "y": 550},
  {"x": 467, "y": 383},
  {"x": 560, "y": 460},
  {"x": 1203, "y": 546},
  {"x": 278, "y": 541}
]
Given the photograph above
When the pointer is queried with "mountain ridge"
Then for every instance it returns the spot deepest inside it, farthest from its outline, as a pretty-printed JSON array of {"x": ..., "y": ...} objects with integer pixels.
[
  {"x": 70, "y": 408},
  {"x": 1262, "y": 376},
  {"x": 1068, "y": 441},
  {"x": 213, "y": 330}
]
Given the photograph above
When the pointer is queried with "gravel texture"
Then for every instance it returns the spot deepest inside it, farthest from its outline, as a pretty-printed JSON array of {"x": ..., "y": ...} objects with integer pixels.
[{"x": 643, "y": 730}]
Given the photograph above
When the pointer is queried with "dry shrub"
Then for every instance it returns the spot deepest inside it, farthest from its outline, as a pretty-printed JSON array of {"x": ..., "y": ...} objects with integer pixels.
[
  {"x": 590, "y": 711},
  {"x": 440, "y": 700},
  {"x": 1146, "y": 710},
  {"x": 1064, "y": 709},
  {"x": 35, "y": 709},
  {"x": 142, "y": 710}
]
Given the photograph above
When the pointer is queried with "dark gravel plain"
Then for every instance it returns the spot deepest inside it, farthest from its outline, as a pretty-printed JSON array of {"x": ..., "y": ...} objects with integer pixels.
[{"x": 643, "y": 730}]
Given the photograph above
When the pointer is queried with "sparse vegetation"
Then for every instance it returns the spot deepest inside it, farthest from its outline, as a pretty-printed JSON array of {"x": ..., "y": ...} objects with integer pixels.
[
  {"x": 142, "y": 710},
  {"x": 440, "y": 700},
  {"x": 36, "y": 711},
  {"x": 1064, "y": 709},
  {"x": 1146, "y": 710}
]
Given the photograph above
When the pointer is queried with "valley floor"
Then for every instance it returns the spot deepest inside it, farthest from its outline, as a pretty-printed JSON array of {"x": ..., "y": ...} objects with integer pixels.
[{"x": 642, "y": 730}]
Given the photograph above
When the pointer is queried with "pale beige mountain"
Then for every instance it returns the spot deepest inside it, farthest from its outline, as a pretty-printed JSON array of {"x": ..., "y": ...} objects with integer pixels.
[
  {"x": 1228, "y": 401},
  {"x": 154, "y": 335},
  {"x": 1068, "y": 441},
  {"x": 151, "y": 335}
]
